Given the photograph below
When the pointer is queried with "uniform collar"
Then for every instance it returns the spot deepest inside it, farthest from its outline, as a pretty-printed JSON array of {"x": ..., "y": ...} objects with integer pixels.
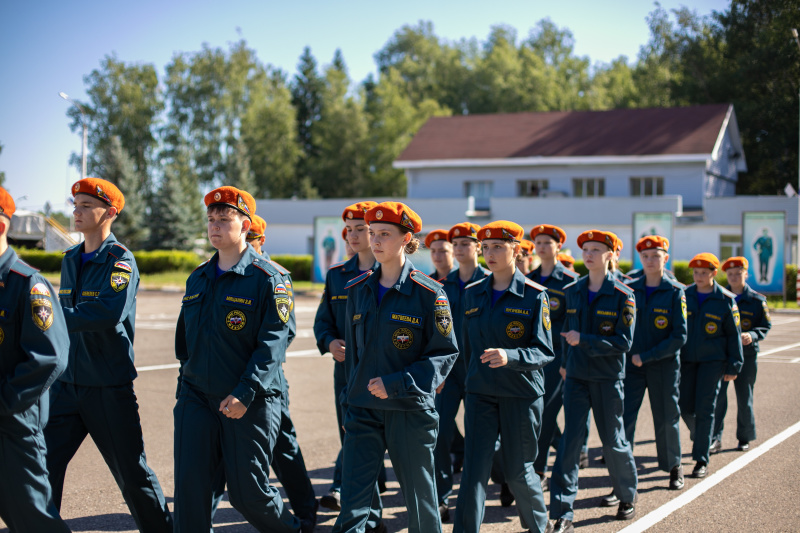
[
  {"x": 640, "y": 282},
  {"x": 478, "y": 273},
  {"x": 606, "y": 288},
  {"x": 516, "y": 287},
  {"x": 250, "y": 256},
  {"x": 7, "y": 260},
  {"x": 557, "y": 273},
  {"x": 403, "y": 283},
  {"x": 99, "y": 254}
]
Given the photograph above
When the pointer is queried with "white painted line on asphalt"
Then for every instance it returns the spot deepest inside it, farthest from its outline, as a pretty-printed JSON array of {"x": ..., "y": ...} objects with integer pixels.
[
  {"x": 652, "y": 518},
  {"x": 781, "y": 321},
  {"x": 796, "y": 360},
  {"x": 779, "y": 349}
]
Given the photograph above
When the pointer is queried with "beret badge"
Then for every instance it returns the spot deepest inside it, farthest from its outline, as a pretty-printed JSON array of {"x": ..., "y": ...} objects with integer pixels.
[
  {"x": 217, "y": 196},
  {"x": 488, "y": 233},
  {"x": 379, "y": 214}
]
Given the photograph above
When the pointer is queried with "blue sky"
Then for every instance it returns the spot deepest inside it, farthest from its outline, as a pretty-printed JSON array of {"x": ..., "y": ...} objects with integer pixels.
[{"x": 50, "y": 46}]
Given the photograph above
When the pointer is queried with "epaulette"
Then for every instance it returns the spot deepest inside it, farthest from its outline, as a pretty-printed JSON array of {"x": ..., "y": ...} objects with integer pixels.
[
  {"x": 571, "y": 274},
  {"x": 358, "y": 279},
  {"x": 758, "y": 295},
  {"x": 530, "y": 283},
  {"x": 118, "y": 245},
  {"x": 71, "y": 248},
  {"x": 568, "y": 285},
  {"x": 676, "y": 283},
  {"x": 201, "y": 265},
  {"x": 266, "y": 267},
  {"x": 279, "y": 267},
  {"x": 726, "y": 292},
  {"x": 425, "y": 280},
  {"x": 23, "y": 269},
  {"x": 337, "y": 265},
  {"x": 476, "y": 282},
  {"x": 621, "y": 287}
]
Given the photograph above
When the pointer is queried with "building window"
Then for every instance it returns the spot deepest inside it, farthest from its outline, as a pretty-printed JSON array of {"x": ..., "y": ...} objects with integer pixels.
[
  {"x": 588, "y": 187},
  {"x": 647, "y": 186},
  {"x": 481, "y": 191},
  {"x": 529, "y": 188},
  {"x": 730, "y": 246}
]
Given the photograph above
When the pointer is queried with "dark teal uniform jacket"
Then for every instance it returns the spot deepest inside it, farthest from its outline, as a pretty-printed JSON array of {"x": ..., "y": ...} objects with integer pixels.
[
  {"x": 606, "y": 327},
  {"x": 559, "y": 278},
  {"x": 239, "y": 329},
  {"x": 660, "y": 321},
  {"x": 519, "y": 323},
  {"x": 408, "y": 341},
  {"x": 714, "y": 329},
  {"x": 755, "y": 318},
  {"x": 100, "y": 311},
  {"x": 33, "y": 344}
]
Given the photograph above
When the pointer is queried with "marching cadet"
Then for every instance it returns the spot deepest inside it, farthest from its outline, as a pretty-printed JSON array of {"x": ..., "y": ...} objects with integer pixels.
[
  {"x": 613, "y": 266},
  {"x": 653, "y": 362},
  {"x": 34, "y": 342},
  {"x": 466, "y": 248},
  {"x": 287, "y": 457},
  {"x": 713, "y": 352},
  {"x": 399, "y": 348},
  {"x": 551, "y": 274},
  {"x": 94, "y": 396},
  {"x": 525, "y": 257},
  {"x": 567, "y": 260},
  {"x": 330, "y": 326},
  {"x": 601, "y": 313},
  {"x": 507, "y": 342},
  {"x": 441, "y": 253},
  {"x": 755, "y": 326},
  {"x": 231, "y": 339}
]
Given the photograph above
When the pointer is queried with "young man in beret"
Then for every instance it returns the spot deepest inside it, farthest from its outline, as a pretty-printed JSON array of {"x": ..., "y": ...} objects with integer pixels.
[
  {"x": 33, "y": 344},
  {"x": 755, "y": 326},
  {"x": 231, "y": 339},
  {"x": 713, "y": 352},
  {"x": 95, "y": 396}
]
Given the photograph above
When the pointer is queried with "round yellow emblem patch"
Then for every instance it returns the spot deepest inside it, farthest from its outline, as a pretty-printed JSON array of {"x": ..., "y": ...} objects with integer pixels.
[
  {"x": 402, "y": 338},
  {"x": 607, "y": 328},
  {"x": 235, "y": 320},
  {"x": 661, "y": 322},
  {"x": 555, "y": 303},
  {"x": 217, "y": 196},
  {"x": 515, "y": 329},
  {"x": 746, "y": 324},
  {"x": 711, "y": 327}
]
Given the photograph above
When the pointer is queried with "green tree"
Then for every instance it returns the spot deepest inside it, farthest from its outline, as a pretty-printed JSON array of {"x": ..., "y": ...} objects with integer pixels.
[
  {"x": 307, "y": 89},
  {"x": 119, "y": 169}
]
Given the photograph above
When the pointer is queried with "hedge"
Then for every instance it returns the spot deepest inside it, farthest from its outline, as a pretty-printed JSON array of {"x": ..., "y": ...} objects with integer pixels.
[{"x": 153, "y": 262}]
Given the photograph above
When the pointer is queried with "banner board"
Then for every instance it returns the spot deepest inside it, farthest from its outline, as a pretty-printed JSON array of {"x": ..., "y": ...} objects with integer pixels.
[
  {"x": 763, "y": 244},
  {"x": 645, "y": 224},
  {"x": 329, "y": 247}
]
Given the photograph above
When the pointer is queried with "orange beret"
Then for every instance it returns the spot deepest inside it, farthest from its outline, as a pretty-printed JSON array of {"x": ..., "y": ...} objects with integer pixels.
[
  {"x": 733, "y": 262},
  {"x": 232, "y": 197},
  {"x": 464, "y": 230},
  {"x": 527, "y": 246},
  {"x": 704, "y": 260},
  {"x": 102, "y": 190},
  {"x": 435, "y": 235},
  {"x": 257, "y": 228},
  {"x": 344, "y": 233},
  {"x": 652, "y": 242},
  {"x": 501, "y": 229},
  {"x": 357, "y": 210},
  {"x": 7, "y": 205},
  {"x": 394, "y": 213},
  {"x": 617, "y": 242},
  {"x": 551, "y": 231},
  {"x": 566, "y": 259},
  {"x": 596, "y": 235}
]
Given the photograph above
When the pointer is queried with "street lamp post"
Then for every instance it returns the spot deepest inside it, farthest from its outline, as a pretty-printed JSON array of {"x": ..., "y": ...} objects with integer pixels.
[
  {"x": 85, "y": 131},
  {"x": 797, "y": 40}
]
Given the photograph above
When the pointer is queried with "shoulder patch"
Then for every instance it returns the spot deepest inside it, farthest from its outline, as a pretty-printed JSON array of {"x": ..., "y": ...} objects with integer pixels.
[
  {"x": 122, "y": 265},
  {"x": 530, "y": 283},
  {"x": 358, "y": 279},
  {"x": 427, "y": 282},
  {"x": 40, "y": 289},
  {"x": 477, "y": 282}
]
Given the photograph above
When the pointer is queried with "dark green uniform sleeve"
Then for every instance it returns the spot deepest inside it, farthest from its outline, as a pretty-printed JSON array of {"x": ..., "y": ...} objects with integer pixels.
[
  {"x": 273, "y": 338},
  {"x": 620, "y": 342},
  {"x": 108, "y": 309},
  {"x": 761, "y": 328},
  {"x": 350, "y": 352},
  {"x": 43, "y": 348},
  {"x": 670, "y": 346},
  {"x": 733, "y": 334},
  {"x": 422, "y": 377},
  {"x": 540, "y": 350},
  {"x": 325, "y": 330}
]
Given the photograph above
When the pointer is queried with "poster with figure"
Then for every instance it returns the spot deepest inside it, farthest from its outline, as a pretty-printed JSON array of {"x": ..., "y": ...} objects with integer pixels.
[
  {"x": 763, "y": 244},
  {"x": 329, "y": 247},
  {"x": 645, "y": 224}
]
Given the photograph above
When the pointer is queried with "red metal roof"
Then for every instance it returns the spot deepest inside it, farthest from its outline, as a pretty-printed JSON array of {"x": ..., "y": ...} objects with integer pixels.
[{"x": 619, "y": 132}]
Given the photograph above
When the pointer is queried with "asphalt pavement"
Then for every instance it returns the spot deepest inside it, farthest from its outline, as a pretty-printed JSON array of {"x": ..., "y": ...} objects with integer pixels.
[{"x": 758, "y": 490}]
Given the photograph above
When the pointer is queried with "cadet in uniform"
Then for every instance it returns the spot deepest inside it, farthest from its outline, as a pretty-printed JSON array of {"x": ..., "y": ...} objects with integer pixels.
[
  {"x": 466, "y": 248},
  {"x": 712, "y": 352},
  {"x": 231, "y": 339},
  {"x": 399, "y": 348},
  {"x": 653, "y": 362},
  {"x": 34, "y": 344},
  {"x": 441, "y": 253},
  {"x": 507, "y": 342},
  {"x": 525, "y": 257},
  {"x": 94, "y": 395},
  {"x": 755, "y": 326},
  {"x": 330, "y": 326},
  {"x": 551, "y": 274},
  {"x": 567, "y": 260},
  {"x": 601, "y": 315}
]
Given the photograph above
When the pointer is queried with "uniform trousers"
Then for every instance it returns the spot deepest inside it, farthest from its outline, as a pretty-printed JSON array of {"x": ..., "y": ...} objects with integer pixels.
[
  {"x": 553, "y": 400},
  {"x": 605, "y": 399},
  {"x": 110, "y": 415},
  {"x": 700, "y": 384},
  {"x": 447, "y": 403},
  {"x": 745, "y": 415}
]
